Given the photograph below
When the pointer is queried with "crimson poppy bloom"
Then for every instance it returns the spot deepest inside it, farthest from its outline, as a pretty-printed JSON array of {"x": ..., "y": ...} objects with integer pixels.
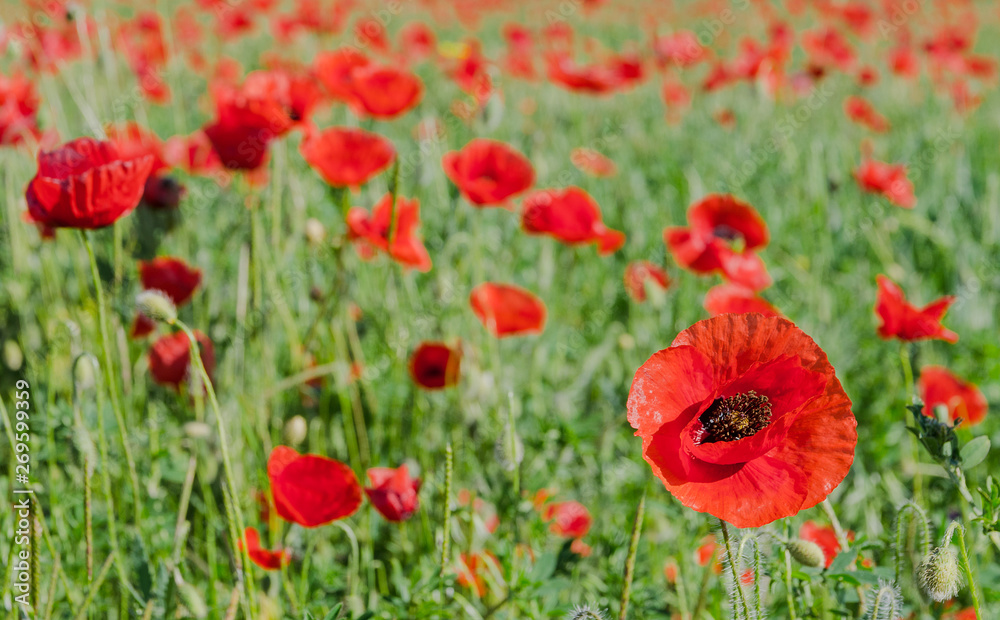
[
  {"x": 85, "y": 183},
  {"x": 170, "y": 358},
  {"x": 903, "y": 320},
  {"x": 938, "y": 386},
  {"x": 311, "y": 490},
  {"x": 193, "y": 153},
  {"x": 488, "y": 172},
  {"x": 826, "y": 47},
  {"x": 507, "y": 310},
  {"x": 824, "y": 536},
  {"x": 889, "y": 180},
  {"x": 569, "y": 519},
  {"x": 264, "y": 558},
  {"x": 173, "y": 277},
  {"x": 593, "y": 163},
  {"x": 706, "y": 552},
  {"x": 393, "y": 492},
  {"x": 373, "y": 231},
  {"x": 384, "y": 92},
  {"x": 435, "y": 365},
  {"x": 571, "y": 216},
  {"x": 732, "y": 298},
  {"x": 161, "y": 191},
  {"x": 248, "y": 119},
  {"x": 642, "y": 273},
  {"x": 743, "y": 418},
  {"x": 333, "y": 69},
  {"x": 347, "y": 157},
  {"x": 706, "y": 245},
  {"x": 861, "y": 111}
]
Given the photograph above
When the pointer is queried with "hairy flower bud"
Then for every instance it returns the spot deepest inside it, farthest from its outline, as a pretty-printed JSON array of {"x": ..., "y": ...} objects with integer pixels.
[
  {"x": 156, "y": 305},
  {"x": 807, "y": 553},
  {"x": 939, "y": 574}
]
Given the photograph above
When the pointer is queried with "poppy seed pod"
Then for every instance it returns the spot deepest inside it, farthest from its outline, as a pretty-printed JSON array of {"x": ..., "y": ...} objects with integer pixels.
[
  {"x": 939, "y": 574},
  {"x": 806, "y": 553},
  {"x": 156, "y": 305}
]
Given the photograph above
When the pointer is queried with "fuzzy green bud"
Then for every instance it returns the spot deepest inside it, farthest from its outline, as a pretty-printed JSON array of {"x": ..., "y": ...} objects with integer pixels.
[
  {"x": 156, "y": 306},
  {"x": 939, "y": 574},
  {"x": 807, "y": 553}
]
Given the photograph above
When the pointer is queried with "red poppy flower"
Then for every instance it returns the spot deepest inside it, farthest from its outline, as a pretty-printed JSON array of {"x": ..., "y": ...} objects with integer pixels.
[
  {"x": 642, "y": 273},
  {"x": 571, "y": 216},
  {"x": 592, "y": 79},
  {"x": 347, "y": 157},
  {"x": 706, "y": 245},
  {"x": 473, "y": 568},
  {"x": 859, "y": 110},
  {"x": 964, "y": 400},
  {"x": 681, "y": 48},
  {"x": 435, "y": 365},
  {"x": 85, "y": 184},
  {"x": 887, "y": 179},
  {"x": 173, "y": 277},
  {"x": 824, "y": 536},
  {"x": 248, "y": 119},
  {"x": 905, "y": 321},
  {"x": 334, "y": 70},
  {"x": 488, "y": 172},
  {"x": 507, "y": 310},
  {"x": 384, "y": 92},
  {"x": 170, "y": 358},
  {"x": 374, "y": 230},
  {"x": 903, "y": 62},
  {"x": 593, "y": 163},
  {"x": 311, "y": 490},
  {"x": 731, "y": 298},
  {"x": 569, "y": 519},
  {"x": 264, "y": 558},
  {"x": 417, "y": 41},
  {"x": 580, "y": 548},
  {"x": 706, "y": 552},
  {"x": 743, "y": 418},
  {"x": 393, "y": 492},
  {"x": 18, "y": 109},
  {"x": 828, "y": 48},
  {"x": 193, "y": 153}
]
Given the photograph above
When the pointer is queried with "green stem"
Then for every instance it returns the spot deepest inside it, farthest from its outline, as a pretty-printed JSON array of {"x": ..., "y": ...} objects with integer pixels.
[
  {"x": 788, "y": 585},
  {"x": 446, "y": 535},
  {"x": 968, "y": 568},
  {"x": 732, "y": 570},
  {"x": 917, "y": 514},
  {"x": 633, "y": 549}
]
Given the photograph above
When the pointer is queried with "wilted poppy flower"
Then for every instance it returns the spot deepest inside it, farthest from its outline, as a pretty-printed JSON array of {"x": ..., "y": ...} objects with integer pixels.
[
  {"x": 488, "y": 172},
  {"x": 264, "y": 558},
  {"x": 435, "y": 365},
  {"x": 384, "y": 92},
  {"x": 707, "y": 244},
  {"x": 743, "y": 418},
  {"x": 311, "y": 490},
  {"x": 859, "y": 110},
  {"x": 938, "y": 386},
  {"x": 170, "y": 358},
  {"x": 887, "y": 179},
  {"x": 347, "y": 157},
  {"x": 901, "y": 319},
  {"x": 374, "y": 231},
  {"x": 85, "y": 184},
  {"x": 472, "y": 570},
  {"x": 393, "y": 492},
  {"x": 569, "y": 519},
  {"x": 824, "y": 536},
  {"x": 507, "y": 310},
  {"x": 173, "y": 277},
  {"x": 732, "y": 298},
  {"x": 593, "y": 163},
  {"x": 571, "y": 216},
  {"x": 641, "y": 273}
]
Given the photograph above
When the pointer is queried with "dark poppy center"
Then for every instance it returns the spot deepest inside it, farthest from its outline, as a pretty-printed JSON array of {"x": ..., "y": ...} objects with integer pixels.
[
  {"x": 735, "y": 417},
  {"x": 728, "y": 233}
]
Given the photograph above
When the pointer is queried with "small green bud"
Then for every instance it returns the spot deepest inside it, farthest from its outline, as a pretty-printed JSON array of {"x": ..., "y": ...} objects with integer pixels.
[
  {"x": 156, "y": 306},
  {"x": 807, "y": 553},
  {"x": 939, "y": 574}
]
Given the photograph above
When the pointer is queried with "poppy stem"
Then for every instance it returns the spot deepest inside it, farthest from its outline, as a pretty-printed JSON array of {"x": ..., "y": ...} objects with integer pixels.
[
  {"x": 788, "y": 585},
  {"x": 633, "y": 550},
  {"x": 449, "y": 462},
  {"x": 732, "y": 569},
  {"x": 967, "y": 566},
  {"x": 394, "y": 191},
  {"x": 904, "y": 358}
]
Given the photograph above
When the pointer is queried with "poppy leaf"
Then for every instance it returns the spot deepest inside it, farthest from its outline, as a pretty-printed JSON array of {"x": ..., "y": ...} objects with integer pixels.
[{"x": 974, "y": 452}]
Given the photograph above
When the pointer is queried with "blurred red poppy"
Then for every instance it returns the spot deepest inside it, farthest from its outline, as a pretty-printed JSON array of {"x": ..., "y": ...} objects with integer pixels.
[
  {"x": 133, "y": 141},
  {"x": 85, "y": 184},
  {"x": 378, "y": 231},
  {"x": 193, "y": 153},
  {"x": 593, "y": 163},
  {"x": 170, "y": 358},
  {"x": 264, "y": 558},
  {"x": 743, "y": 418},
  {"x": 435, "y": 365},
  {"x": 173, "y": 277},
  {"x": 334, "y": 70},
  {"x": 642, "y": 273},
  {"x": 488, "y": 172},
  {"x": 393, "y": 492},
  {"x": 569, "y": 519},
  {"x": 938, "y": 386},
  {"x": 680, "y": 48},
  {"x": 417, "y": 41},
  {"x": 311, "y": 490},
  {"x": 828, "y": 48},
  {"x": 717, "y": 224},
  {"x": 571, "y": 216},
  {"x": 384, "y": 92},
  {"x": 732, "y": 298},
  {"x": 592, "y": 79},
  {"x": 903, "y": 320},
  {"x": 507, "y": 310},
  {"x": 347, "y": 157},
  {"x": 472, "y": 570},
  {"x": 248, "y": 118},
  {"x": 889, "y": 180},
  {"x": 18, "y": 109},
  {"x": 859, "y": 110},
  {"x": 824, "y": 536}
]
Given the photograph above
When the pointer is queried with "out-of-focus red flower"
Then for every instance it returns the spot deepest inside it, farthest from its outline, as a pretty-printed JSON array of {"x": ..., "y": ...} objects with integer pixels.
[
  {"x": 311, "y": 490},
  {"x": 488, "y": 172},
  {"x": 706, "y": 551},
  {"x": 889, "y": 180},
  {"x": 18, "y": 109},
  {"x": 969, "y": 613},
  {"x": 592, "y": 79},
  {"x": 680, "y": 48},
  {"x": 377, "y": 231},
  {"x": 901, "y": 319},
  {"x": 861, "y": 111},
  {"x": 592, "y": 162},
  {"x": 507, "y": 310},
  {"x": 417, "y": 41},
  {"x": 435, "y": 365},
  {"x": 571, "y": 216},
  {"x": 334, "y": 70},
  {"x": 671, "y": 571},
  {"x": 133, "y": 141},
  {"x": 85, "y": 184},
  {"x": 249, "y": 118},
  {"x": 716, "y": 224},
  {"x": 867, "y": 76},
  {"x": 393, "y": 492},
  {"x": 569, "y": 519},
  {"x": 743, "y": 418},
  {"x": 519, "y": 60},
  {"x": 903, "y": 62},
  {"x": 347, "y": 157},
  {"x": 824, "y": 536},
  {"x": 472, "y": 570},
  {"x": 171, "y": 276},
  {"x": 938, "y": 386},
  {"x": 639, "y": 274},
  {"x": 193, "y": 153},
  {"x": 264, "y": 558},
  {"x": 732, "y": 298},
  {"x": 580, "y": 548},
  {"x": 170, "y": 358},
  {"x": 384, "y": 92},
  {"x": 369, "y": 32},
  {"x": 828, "y": 48},
  {"x": 470, "y": 72}
]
